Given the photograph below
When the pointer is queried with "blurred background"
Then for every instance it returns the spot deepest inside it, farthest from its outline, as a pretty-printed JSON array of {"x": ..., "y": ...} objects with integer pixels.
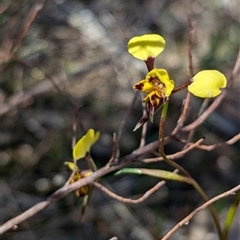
[{"x": 74, "y": 56}]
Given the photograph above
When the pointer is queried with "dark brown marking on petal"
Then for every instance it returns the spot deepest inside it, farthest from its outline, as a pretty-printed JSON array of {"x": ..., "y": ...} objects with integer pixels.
[
  {"x": 153, "y": 79},
  {"x": 139, "y": 86},
  {"x": 143, "y": 120}
]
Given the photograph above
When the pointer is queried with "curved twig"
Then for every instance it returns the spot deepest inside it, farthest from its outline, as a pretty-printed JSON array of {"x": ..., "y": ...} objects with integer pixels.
[{"x": 186, "y": 219}]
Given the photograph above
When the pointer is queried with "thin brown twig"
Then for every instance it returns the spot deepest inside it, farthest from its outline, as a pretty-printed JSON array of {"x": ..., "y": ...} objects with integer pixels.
[
  {"x": 15, "y": 205},
  {"x": 175, "y": 155},
  {"x": 53, "y": 81},
  {"x": 114, "y": 149},
  {"x": 191, "y": 146},
  {"x": 24, "y": 30},
  {"x": 42, "y": 87},
  {"x": 187, "y": 101},
  {"x": 216, "y": 145},
  {"x": 217, "y": 101},
  {"x": 129, "y": 200},
  {"x": 66, "y": 189},
  {"x": 200, "y": 112},
  {"x": 123, "y": 122},
  {"x": 22, "y": 97},
  {"x": 184, "y": 171},
  {"x": 208, "y": 203},
  {"x": 28, "y": 22},
  {"x": 190, "y": 44},
  {"x": 74, "y": 127},
  {"x": 146, "y": 195},
  {"x": 203, "y": 106}
]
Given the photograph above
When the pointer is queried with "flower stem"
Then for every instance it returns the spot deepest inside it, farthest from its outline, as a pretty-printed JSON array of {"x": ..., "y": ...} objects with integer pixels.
[
  {"x": 181, "y": 87},
  {"x": 181, "y": 169},
  {"x": 150, "y": 63}
]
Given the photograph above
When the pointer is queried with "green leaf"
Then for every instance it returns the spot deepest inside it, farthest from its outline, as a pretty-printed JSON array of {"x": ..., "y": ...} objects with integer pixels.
[
  {"x": 166, "y": 175},
  {"x": 230, "y": 216}
]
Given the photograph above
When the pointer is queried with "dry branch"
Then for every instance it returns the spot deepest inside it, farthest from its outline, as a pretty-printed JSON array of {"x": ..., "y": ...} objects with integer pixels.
[
  {"x": 66, "y": 189},
  {"x": 186, "y": 219}
]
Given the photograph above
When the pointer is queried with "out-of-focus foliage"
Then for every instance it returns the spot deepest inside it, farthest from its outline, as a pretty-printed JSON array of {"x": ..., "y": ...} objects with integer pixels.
[{"x": 82, "y": 47}]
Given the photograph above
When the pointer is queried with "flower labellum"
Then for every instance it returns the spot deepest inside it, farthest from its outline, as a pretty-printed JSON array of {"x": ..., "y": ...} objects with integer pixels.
[{"x": 158, "y": 87}]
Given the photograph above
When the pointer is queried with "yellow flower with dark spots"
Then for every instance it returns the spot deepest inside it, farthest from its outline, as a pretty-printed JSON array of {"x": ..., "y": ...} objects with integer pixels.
[
  {"x": 81, "y": 150},
  {"x": 157, "y": 84},
  {"x": 83, "y": 191}
]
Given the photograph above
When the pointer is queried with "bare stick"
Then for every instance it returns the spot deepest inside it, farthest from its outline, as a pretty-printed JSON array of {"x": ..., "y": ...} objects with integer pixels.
[
  {"x": 187, "y": 101},
  {"x": 175, "y": 155},
  {"x": 208, "y": 203},
  {"x": 216, "y": 145},
  {"x": 200, "y": 112},
  {"x": 42, "y": 87},
  {"x": 28, "y": 22},
  {"x": 191, "y": 146},
  {"x": 146, "y": 195},
  {"x": 114, "y": 149},
  {"x": 129, "y": 200},
  {"x": 123, "y": 122},
  {"x": 25, "y": 28},
  {"x": 66, "y": 189}
]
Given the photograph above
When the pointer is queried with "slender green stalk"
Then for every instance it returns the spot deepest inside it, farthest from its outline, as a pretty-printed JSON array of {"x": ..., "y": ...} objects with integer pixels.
[
  {"x": 181, "y": 169},
  {"x": 91, "y": 164},
  {"x": 86, "y": 198},
  {"x": 231, "y": 213},
  {"x": 166, "y": 175}
]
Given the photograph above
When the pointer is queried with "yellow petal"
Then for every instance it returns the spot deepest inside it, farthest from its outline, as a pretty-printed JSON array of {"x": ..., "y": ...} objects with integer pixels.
[
  {"x": 84, "y": 144},
  {"x": 154, "y": 98},
  {"x": 148, "y": 45},
  {"x": 96, "y": 137},
  {"x": 207, "y": 83},
  {"x": 162, "y": 75},
  {"x": 88, "y": 140},
  {"x": 91, "y": 138},
  {"x": 144, "y": 86},
  {"x": 71, "y": 166},
  {"x": 79, "y": 150}
]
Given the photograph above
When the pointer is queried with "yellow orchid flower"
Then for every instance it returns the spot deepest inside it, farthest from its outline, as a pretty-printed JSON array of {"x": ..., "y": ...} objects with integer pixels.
[
  {"x": 207, "y": 84},
  {"x": 146, "y": 46},
  {"x": 84, "y": 144},
  {"x": 83, "y": 191},
  {"x": 157, "y": 85}
]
